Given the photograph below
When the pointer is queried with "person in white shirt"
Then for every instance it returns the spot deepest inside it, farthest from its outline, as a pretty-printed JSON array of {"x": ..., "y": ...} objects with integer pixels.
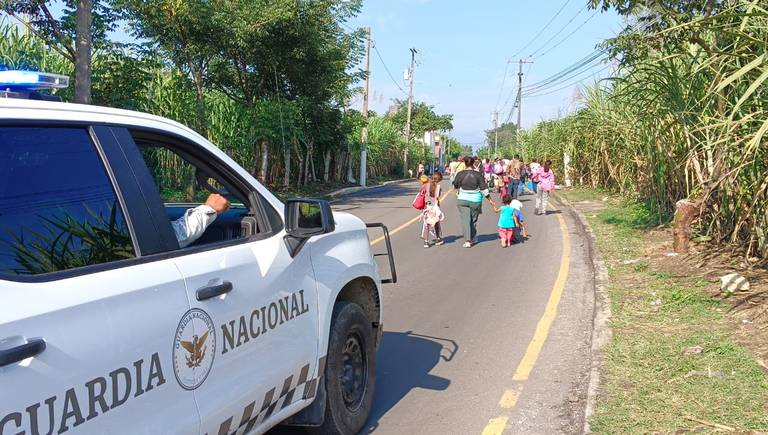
[{"x": 193, "y": 223}]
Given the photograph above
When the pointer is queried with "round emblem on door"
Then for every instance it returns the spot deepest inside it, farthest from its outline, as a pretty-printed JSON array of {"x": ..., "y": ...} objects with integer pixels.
[{"x": 194, "y": 347}]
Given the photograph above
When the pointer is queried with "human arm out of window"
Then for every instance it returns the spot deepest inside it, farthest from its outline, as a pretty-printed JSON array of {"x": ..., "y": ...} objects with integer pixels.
[{"x": 193, "y": 223}]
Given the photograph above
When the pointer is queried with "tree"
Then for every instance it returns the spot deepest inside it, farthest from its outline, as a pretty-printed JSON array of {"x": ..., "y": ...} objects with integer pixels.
[
  {"x": 83, "y": 47},
  {"x": 455, "y": 149},
  {"x": 423, "y": 118},
  {"x": 71, "y": 35},
  {"x": 253, "y": 50},
  {"x": 182, "y": 32},
  {"x": 507, "y": 140}
]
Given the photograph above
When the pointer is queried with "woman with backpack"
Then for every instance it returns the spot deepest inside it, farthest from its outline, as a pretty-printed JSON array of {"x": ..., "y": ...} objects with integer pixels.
[
  {"x": 472, "y": 189},
  {"x": 544, "y": 178}
]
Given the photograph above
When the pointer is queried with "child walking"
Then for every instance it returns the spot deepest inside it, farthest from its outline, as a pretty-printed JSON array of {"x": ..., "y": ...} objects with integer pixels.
[
  {"x": 545, "y": 179},
  {"x": 521, "y": 233},
  {"x": 506, "y": 221},
  {"x": 432, "y": 215}
]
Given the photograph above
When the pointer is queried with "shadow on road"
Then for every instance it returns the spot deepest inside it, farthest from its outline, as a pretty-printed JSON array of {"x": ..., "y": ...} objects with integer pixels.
[
  {"x": 487, "y": 238},
  {"x": 450, "y": 239},
  {"x": 403, "y": 363}
]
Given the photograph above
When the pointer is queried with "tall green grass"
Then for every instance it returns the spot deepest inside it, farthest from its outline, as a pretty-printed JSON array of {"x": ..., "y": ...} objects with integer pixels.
[{"x": 679, "y": 121}]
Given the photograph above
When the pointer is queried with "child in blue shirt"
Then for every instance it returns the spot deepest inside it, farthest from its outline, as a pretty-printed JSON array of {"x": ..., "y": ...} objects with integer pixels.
[{"x": 506, "y": 221}]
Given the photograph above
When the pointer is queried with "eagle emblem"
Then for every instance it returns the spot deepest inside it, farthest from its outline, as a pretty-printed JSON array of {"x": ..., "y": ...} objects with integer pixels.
[
  {"x": 196, "y": 349},
  {"x": 193, "y": 357}
]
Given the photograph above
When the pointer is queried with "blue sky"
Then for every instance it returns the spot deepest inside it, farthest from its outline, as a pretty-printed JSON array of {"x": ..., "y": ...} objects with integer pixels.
[{"x": 463, "y": 47}]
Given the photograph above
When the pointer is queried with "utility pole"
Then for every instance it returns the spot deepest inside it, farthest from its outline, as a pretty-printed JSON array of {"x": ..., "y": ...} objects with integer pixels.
[
  {"x": 519, "y": 103},
  {"x": 410, "y": 105},
  {"x": 496, "y": 133},
  {"x": 364, "y": 131}
]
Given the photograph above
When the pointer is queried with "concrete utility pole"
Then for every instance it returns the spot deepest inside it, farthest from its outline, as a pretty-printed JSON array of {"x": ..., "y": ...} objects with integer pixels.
[
  {"x": 364, "y": 131},
  {"x": 496, "y": 133},
  {"x": 519, "y": 103},
  {"x": 410, "y": 105}
]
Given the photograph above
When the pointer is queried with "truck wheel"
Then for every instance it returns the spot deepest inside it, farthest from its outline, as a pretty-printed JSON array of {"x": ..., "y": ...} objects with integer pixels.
[{"x": 350, "y": 371}]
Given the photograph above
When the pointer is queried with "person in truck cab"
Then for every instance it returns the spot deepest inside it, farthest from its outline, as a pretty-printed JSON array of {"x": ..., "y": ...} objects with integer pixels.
[
  {"x": 275, "y": 318},
  {"x": 190, "y": 226}
]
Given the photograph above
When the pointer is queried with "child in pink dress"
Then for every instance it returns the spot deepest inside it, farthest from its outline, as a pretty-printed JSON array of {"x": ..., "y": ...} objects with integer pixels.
[{"x": 432, "y": 215}]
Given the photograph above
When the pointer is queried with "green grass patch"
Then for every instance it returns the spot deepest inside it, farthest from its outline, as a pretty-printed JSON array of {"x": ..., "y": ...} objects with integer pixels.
[
  {"x": 650, "y": 383},
  {"x": 576, "y": 195}
]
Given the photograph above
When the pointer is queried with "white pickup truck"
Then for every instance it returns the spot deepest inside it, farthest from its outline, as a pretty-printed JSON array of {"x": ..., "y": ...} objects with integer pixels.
[{"x": 108, "y": 325}]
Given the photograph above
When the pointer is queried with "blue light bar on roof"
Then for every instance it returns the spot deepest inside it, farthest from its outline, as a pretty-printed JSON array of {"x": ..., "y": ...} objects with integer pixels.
[{"x": 16, "y": 79}]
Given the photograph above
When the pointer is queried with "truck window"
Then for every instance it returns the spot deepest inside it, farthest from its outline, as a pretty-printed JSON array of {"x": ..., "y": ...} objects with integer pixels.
[
  {"x": 184, "y": 181},
  {"x": 58, "y": 209}
]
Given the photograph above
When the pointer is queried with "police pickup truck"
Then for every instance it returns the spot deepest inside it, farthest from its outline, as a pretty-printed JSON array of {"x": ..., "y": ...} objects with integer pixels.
[{"x": 109, "y": 325}]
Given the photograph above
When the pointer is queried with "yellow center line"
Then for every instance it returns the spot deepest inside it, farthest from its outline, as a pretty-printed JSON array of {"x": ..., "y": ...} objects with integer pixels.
[
  {"x": 496, "y": 426},
  {"x": 510, "y": 397},
  {"x": 401, "y": 227}
]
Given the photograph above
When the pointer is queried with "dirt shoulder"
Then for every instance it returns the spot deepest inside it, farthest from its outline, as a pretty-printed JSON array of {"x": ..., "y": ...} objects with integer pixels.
[{"x": 682, "y": 357}]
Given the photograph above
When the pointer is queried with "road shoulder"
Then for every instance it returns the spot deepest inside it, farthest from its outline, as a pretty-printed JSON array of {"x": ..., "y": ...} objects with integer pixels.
[
  {"x": 673, "y": 363},
  {"x": 553, "y": 399},
  {"x": 601, "y": 329}
]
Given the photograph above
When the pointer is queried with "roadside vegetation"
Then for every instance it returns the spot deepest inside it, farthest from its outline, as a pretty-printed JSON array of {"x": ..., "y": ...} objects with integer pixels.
[
  {"x": 274, "y": 84},
  {"x": 674, "y": 364},
  {"x": 684, "y": 117}
]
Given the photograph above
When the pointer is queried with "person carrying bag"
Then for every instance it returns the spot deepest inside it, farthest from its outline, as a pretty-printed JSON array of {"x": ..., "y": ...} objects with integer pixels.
[
  {"x": 472, "y": 189},
  {"x": 431, "y": 230}
]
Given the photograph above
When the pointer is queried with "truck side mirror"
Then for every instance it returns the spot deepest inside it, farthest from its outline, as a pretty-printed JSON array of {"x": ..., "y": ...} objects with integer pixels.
[{"x": 306, "y": 217}]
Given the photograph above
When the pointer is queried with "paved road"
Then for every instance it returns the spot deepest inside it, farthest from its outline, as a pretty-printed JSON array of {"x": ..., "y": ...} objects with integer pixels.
[{"x": 462, "y": 326}]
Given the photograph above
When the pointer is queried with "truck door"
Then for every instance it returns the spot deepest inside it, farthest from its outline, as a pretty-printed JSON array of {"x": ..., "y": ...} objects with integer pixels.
[
  {"x": 255, "y": 358},
  {"x": 87, "y": 319}
]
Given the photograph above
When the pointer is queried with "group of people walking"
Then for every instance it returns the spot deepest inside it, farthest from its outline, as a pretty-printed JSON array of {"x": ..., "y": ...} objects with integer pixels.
[{"x": 473, "y": 180}]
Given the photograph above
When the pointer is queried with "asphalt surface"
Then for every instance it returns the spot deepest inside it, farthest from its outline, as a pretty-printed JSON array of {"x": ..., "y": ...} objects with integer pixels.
[{"x": 459, "y": 323}]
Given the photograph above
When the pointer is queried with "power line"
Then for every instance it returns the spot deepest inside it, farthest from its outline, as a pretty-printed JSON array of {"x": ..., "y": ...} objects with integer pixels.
[
  {"x": 516, "y": 92},
  {"x": 530, "y": 65},
  {"x": 531, "y": 41},
  {"x": 513, "y": 91},
  {"x": 378, "y": 54},
  {"x": 511, "y": 112},
  {"x": 589, "y": 71},
  {"x": 546, "y": 91},
  {"x": 570, "y": 34},
  {"x": 350, "y": 28},
  {"x": 584, "y": 64},
  {"x": 503, "y": 80},
  {"x": 542, "y": 29},
  {"x": 559, "y": 31},
  {"x": 586, "y": 59},
  {"x": 568, "y": 85},
  {"x": 579, "y": 64},
  {"x": 563, "y": 77}
]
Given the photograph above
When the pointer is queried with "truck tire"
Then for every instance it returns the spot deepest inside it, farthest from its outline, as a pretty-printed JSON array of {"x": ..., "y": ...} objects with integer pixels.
[{"x": 350, "y": 371}]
